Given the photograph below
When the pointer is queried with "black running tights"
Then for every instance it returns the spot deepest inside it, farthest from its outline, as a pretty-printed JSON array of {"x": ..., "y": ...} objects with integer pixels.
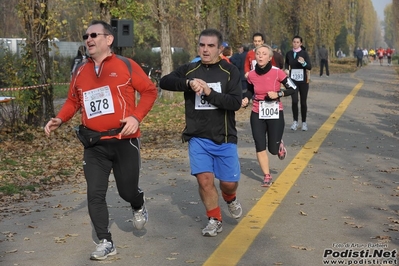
[
  {"x": 123, "y": 157},
  {"x": 302, "y": 89},
  {"x": 272, "y": 128}
]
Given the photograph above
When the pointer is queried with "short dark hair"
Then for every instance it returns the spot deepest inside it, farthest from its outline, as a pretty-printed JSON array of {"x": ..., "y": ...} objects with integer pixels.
[
  {"x": 258, "y": 34},
  {"x": 212, "y": 32},
  {"x": 107, "y": 27}
]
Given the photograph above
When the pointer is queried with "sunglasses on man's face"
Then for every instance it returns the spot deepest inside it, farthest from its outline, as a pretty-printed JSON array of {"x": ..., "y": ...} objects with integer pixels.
[{"x": 93, "y": 35}]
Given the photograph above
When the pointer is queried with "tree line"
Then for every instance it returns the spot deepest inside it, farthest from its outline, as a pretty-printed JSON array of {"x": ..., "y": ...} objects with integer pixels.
[{"x": 344, "y": 24}]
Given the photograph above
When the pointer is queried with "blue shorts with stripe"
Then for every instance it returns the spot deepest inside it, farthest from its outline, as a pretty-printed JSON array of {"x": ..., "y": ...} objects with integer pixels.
[{"x": 219, "y": 159}]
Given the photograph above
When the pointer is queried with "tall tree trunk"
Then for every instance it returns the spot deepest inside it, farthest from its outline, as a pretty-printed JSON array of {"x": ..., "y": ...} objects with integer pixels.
[
  {"x": 40, "y": 106},
  {"x": 166, "y": 53}
]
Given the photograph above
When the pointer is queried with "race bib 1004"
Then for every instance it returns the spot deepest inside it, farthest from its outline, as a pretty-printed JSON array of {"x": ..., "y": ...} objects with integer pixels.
[
  {"x": 98, "y": 102},
  {"x": 201, "y": 103},
  {"x": 268, "y": 110}
]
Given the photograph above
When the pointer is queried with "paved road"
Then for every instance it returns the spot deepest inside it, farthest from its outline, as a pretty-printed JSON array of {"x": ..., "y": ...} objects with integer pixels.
[{"x": 336, "y": 194}]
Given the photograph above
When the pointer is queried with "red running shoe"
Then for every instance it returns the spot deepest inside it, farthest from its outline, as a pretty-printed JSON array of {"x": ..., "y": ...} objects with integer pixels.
[
  {"x": 282, "y": 151},
  {"x": 267, "y": 181}
]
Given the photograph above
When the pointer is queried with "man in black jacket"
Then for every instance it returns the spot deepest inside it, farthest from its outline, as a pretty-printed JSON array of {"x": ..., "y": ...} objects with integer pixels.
[{"x": 212, "y": 93}]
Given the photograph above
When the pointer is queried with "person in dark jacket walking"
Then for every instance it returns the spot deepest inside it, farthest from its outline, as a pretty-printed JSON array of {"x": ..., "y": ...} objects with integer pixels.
[
  {"x": 323, "y": 54},
  {"x": 359, "y": 57},
  {"x": 212, "y": 93}
]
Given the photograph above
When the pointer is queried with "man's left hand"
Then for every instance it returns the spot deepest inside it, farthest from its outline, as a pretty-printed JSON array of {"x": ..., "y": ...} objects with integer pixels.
[{"x": 131, "y": 126}]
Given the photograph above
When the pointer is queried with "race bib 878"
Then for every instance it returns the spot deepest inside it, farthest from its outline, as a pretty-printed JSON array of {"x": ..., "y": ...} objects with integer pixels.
[{"x": 98, "y": 102}]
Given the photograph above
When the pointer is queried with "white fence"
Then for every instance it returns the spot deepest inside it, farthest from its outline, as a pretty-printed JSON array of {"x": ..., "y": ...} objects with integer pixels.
[{"x": 67, "y": 49}]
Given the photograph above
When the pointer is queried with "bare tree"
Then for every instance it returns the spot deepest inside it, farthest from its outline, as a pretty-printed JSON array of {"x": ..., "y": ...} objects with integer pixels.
[
  {"x": 164, "y": 33},
  {"x": 35, "y": 17}
]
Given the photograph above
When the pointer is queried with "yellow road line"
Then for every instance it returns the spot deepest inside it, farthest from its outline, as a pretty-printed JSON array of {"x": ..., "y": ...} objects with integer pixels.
[{"x": 241, "y": 237}]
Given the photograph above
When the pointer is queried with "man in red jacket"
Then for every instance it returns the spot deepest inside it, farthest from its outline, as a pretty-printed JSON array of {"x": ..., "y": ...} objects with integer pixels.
[
  {"x": 103, "y": 88},
  {"x": 250, "y": 61}
]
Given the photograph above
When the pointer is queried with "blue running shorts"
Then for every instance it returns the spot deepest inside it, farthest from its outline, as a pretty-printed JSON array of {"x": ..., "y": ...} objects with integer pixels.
[{"x": 220, "y": 159}]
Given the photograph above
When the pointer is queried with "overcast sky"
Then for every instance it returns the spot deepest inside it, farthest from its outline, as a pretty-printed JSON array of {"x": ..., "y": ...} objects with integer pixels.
[{"x": 379, "y": 6}]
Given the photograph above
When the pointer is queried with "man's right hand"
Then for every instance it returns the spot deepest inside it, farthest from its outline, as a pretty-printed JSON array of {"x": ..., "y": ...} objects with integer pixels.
[
  {"x": 52, "y": 125},
  {"x": 244, "y": 102}
]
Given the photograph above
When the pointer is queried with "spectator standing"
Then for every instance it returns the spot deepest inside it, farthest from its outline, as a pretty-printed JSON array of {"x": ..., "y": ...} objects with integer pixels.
[
  {"x": 323, "y": 55},
  {"x": 340, "y": 54},
  {"x": 297, "y": 67},
  {"x": 212, "y": 93},
  {"x": 103, "y": 89}
]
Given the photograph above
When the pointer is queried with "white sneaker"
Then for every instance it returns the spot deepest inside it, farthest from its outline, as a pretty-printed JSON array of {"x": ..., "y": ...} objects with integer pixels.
[
  {"x": 294, "y": 125},
  {"x": 304, "y": 126},
  {"x": 213, "y": 228},
  {"x": 140, "y": 217},
  {"x": 235, "y": 209},
  {"x": 103, "y": 250}
]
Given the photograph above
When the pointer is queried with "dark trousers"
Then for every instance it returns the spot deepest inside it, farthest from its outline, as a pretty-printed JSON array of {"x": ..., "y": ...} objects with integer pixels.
[
  {"x": 359, "y": 62},
  {"x": 302, "y": 89},
  {"x": 123, "y": 157},
  {"x": 324, "y": 64}
]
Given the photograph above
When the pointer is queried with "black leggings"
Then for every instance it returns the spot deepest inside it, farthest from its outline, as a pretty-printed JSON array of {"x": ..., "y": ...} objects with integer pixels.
[
  {"x": 123, "y": 157},
  {"x": 302, "y": 89},
  {"x": 273, "y": 128}
]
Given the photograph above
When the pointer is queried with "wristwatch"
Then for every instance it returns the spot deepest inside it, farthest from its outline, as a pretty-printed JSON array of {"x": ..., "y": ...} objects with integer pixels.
[{"x": 280, "y": 94}]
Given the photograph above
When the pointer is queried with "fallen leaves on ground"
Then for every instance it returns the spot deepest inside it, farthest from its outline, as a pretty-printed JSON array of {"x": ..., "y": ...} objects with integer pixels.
[{"x": 37, "y": 164}]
